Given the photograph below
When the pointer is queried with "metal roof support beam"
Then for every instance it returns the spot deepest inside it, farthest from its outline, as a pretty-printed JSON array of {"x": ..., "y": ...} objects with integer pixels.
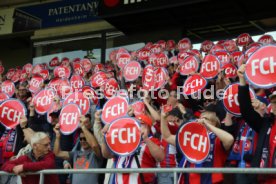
[
  {"x": 225, "y": 30},
  {"x": 192, "y": 33},
  {"x": 257, "y": 26}
]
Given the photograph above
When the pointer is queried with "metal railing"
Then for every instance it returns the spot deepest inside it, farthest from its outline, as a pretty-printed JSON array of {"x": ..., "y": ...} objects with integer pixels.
[{"x": 175, "y": 171}]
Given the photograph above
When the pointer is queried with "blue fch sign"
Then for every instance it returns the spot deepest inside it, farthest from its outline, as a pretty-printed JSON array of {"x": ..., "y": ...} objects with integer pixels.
[{"x": 64, "y": 12}]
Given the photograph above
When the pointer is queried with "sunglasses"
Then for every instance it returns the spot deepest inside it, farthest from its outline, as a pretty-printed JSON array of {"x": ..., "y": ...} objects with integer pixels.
[{"x": 82, "y": 139}]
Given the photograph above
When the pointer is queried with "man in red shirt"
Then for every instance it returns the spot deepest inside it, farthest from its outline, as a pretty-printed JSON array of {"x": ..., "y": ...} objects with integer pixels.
[{"x": 39, "y": 158}]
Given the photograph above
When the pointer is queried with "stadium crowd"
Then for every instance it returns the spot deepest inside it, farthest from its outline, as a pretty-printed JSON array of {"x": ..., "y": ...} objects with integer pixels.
[{"x": 36, "y": 141}]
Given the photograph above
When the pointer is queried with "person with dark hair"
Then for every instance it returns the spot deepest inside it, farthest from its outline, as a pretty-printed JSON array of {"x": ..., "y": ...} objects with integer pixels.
[
  {"x": 88, "y": 157},
  {"x": 254, "y": 113},
  {"x": 220, "y": 141}
]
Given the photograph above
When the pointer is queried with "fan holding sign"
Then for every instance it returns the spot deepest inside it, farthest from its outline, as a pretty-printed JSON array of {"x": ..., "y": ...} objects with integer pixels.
[
  {"x": 262, "y": 65},
  {"x": 122, "y": 138},
  {"x": 202, "y": 143}
]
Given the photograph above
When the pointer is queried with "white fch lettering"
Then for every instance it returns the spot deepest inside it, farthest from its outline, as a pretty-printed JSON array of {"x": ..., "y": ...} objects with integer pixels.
[
  {"x": 223, "y": 58},
  {"x": 233, "y": 99},
  {"x": 118, "y": 134},
  {"x": 35, "y": 83},
  {"x": 110, "y": 89},
  {"x": 76, "y": 84},
  {"x": 149, "y": 75},
  {"x": 210, "y": 66},
  {"x": 132, "y": 70},
  {"x": 61, "y": 72},
  {"x": 190, "y": 64},
  {"x": 12, "y": 115},
  {"x": 115, "y": 110},
  {"x": 260, "y": 64},
  {"x": 202, "y": 142},
  {"x": 123, "y": 60},
  {"x": 159, "y": 77},
  {"x": 229, "y": 71},
  {"x": 99, "y": 80},
  {"x": 244, "y": 39},
  {"x": 69, "y": 118},
  {"x": 44, "y": 100},
  {"x": 82, "y": 103},
  {"x": 195, "y": 83},
  {"x": 7, "y": 89},
  {"x": 144, "y": 54},
  {"x": 161, "y": 61}
]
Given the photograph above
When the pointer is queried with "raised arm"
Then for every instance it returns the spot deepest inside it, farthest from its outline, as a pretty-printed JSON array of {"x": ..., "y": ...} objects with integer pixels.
[
  {"x": 248, "y": 113},
  {"x": 166, "y": 134},
  {"x": 226, "y": 138},
  {"x": 91, "y": 140},
  {"x": 59, "y": 153}
]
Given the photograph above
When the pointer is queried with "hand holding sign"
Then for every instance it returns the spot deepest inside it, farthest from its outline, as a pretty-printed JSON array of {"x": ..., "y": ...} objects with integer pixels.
[
  {"x": 69, "y": 118},
  {"x": 193, "y": 141},
  {"x": 123, "y": 136}
]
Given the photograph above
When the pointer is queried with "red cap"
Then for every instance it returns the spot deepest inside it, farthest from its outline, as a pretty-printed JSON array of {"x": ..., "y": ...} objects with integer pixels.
[{"x": 144, "y": 119}]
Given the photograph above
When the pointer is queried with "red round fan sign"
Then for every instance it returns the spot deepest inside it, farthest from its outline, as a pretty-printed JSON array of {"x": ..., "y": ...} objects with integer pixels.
[
  {"x": 266, "y": 39},
  {"x": 114, "y": 108},
  {"x": 159, "y": 59},
  {"x": 35, "y": 84},
  {"x": 143, "y": 54},
  {"x": 184, "y": 44},
  {"x": 148, "y": 78},
  {"x": 78, "y": 69},
  {"x": 244, "y": 39},
  {"x": 170, "y": 45},
  {"x": 86, "y": 64},
  {"x": 156, "y": 48},
  {"x": 16, "y": 76},
  {"x": 132, "y": 71},
  {"x": 193, "y": 141},
  {"x": 44, "y": 74},
  {"x": 194, "y": 84},
  {"x": 160, "y": 78},
  {"x": 54, "y": 62},
  {"x": 61, "y": 86},
  {"x": 90, "y": 94},
  {"x": 206, "y": 45},
  {"x": 223, "y": 56},
  {"x": 123, "y": 136},
  {"x": 138, "y": 108},
  {"x": 230, "y": 70},
  {"x": 28, "y": 68},
  {"x": 230, "y": 45},
  {"x": 43, "y": 101},
  {"x": 77, "y": 82},
  {"x": 261, "y": 67},
  {"x": 69, "y": 118},
  {"x": 189, "y": 66},
  {"x": 210, "y": 66},
  {"x": 11, "y": 112},
  {"x": 230, "y": 99},
  {"x": 79, "y": 99},
  {"x": 236, "y": 55},
  {"x": 123, "y": 59},
  {"x": 98, "y": 79},
  {"x": 110, "y": 88},
  {"x": 62, "y": 71},
  {"x": 8, "y": 88}
]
